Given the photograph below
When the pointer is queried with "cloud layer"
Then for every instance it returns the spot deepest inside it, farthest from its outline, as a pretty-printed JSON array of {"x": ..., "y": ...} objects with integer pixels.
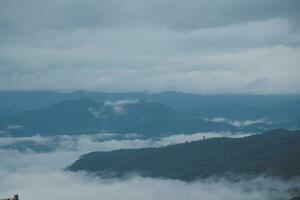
[
  {"x": 70, "y": 186},
  {"x": 239, "y": 123},
  {"x": 105, "y": 141},
  {"x": 196, "y": 46},
  {"x": 41, "y": 175}
]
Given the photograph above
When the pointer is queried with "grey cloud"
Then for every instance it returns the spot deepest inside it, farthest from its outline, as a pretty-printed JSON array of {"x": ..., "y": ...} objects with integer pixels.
[
  {"x": 192, "y": 46},
  {"x": 157, "y": 60},
  {"x": 33, "y": 15},
  {"x": 239, "y": 123}
]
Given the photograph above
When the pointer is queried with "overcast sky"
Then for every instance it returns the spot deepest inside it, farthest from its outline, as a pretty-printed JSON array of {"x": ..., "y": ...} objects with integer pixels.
[{"x": 201, "y": 46}]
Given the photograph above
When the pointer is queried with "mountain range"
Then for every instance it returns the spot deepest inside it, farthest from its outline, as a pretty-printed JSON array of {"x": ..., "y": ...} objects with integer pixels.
[
  {"x": 88, "y": 116},
  {"x": 18, "y": 101},
  {"x": 54, "y": 113}
]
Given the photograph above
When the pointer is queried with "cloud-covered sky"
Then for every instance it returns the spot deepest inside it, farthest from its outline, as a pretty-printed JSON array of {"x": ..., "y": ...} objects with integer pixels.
[{"x": 202, "y": 46}]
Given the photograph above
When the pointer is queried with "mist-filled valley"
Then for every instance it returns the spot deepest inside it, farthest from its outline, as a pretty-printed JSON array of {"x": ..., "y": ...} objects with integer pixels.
[
  {"x": 149, "y": 146},
  {"x": 150, "y": 100},
  {"x": 37, "y": 170}
]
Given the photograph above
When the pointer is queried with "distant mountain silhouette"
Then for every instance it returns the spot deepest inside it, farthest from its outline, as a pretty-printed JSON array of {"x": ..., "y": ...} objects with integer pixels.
[
  {"x": 67, "y": 116},
  {"x": 282, "y": 110},
  {"x": 123, "y": 116},
  {"x": 13, "y": 101}
]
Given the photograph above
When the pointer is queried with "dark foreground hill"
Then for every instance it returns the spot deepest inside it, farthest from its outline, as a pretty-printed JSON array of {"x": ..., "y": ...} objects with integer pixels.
[{"x": 276, "y": 153}]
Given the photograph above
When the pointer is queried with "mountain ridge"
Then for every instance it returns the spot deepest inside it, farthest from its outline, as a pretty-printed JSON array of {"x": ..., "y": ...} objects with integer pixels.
[
  {"x": 123, "y": 116},
  {"x": 147, "y": 114},
  {"x": 275, "y": 153}
]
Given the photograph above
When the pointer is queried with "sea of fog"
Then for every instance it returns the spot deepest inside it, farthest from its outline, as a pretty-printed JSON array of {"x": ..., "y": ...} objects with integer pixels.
[{"x": 38, "y": 173}]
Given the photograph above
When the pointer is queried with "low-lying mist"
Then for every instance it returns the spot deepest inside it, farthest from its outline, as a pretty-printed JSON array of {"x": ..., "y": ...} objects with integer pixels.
[
  {"x": 41, "y": 175},
  {"x": 71, "y": 186},
  {"x": 104, "y": 141}
]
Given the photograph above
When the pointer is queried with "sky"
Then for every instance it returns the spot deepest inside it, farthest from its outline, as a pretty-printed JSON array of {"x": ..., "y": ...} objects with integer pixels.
[{"x": 198, "y": 46}]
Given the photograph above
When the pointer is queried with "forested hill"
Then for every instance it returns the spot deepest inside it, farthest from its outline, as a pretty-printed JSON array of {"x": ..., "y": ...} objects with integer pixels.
[{"x": 275, "y": 153}]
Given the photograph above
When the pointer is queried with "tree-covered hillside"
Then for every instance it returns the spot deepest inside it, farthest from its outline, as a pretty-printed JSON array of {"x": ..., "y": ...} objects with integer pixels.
[{"x": 275, "y": 153}]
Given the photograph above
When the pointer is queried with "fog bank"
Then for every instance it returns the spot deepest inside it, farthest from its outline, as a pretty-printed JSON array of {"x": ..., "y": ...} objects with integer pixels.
[{"x": 41, "y": 175}]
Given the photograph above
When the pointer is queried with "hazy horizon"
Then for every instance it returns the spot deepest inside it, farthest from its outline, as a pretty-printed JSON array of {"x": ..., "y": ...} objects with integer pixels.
[{"x": 65, "y": 91}]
